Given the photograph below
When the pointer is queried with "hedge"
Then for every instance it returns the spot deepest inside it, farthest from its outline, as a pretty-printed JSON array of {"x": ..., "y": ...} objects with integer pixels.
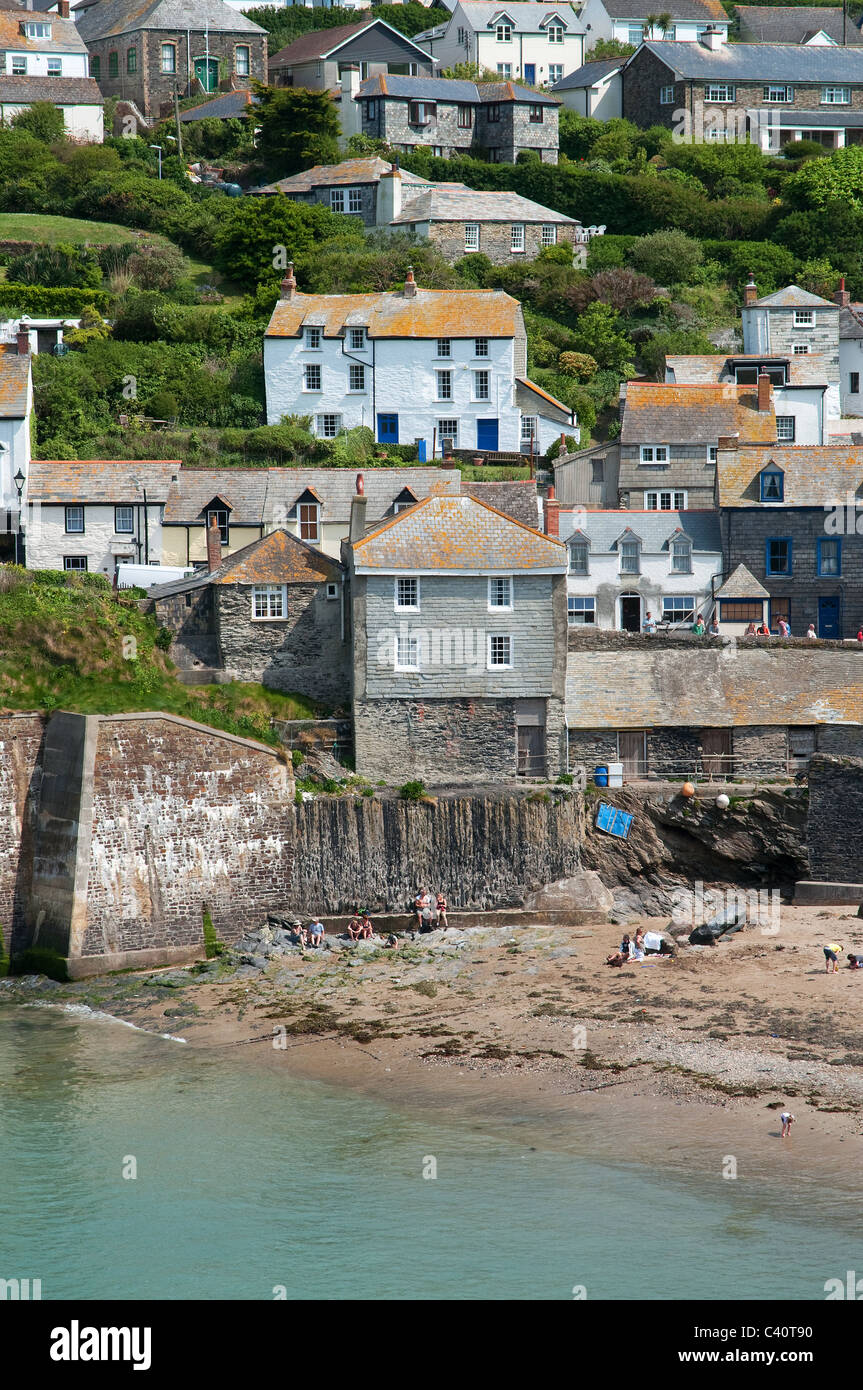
[{"x": 44, "y": 301}]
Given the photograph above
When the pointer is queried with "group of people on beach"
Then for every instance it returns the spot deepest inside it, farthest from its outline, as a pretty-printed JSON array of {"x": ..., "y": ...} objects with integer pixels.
[
  {"x": 426, "y": 915},
  {"x": 832, "y": 952},
  {"x": 628, "y": 949}
]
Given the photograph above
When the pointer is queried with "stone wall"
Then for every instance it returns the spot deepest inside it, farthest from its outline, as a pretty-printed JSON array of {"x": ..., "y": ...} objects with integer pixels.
[
  {"x": 483, "y": 850},
  {"x": 495, "y": 240},
  {"x": 151, "y": 89},
  {"x": 500, "y": 140},
  {"x": 834, "y": 827},
  {"x": 435, "y": 741},
  {"x": 303, "y": 653},
  {"x": 190, "y": 614},
  {"x": 368, "y": 194},
  {"x": 689, "y": 468},
  {"x": 21, "y": 738}
]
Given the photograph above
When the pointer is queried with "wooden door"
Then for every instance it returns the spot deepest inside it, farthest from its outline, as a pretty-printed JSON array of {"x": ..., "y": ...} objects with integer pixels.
[
  {"x": 716, "y": 749},
  {"x": 531, "y": 750},
  {"x": 631, "y": 752}
]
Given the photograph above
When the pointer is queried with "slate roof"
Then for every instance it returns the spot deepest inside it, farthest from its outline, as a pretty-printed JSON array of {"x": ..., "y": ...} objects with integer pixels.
[
  {"x": 112, "y": 17},
  {"x": 267, "y": 496},
  {"x": 741, "y": 583},
  {"x": 655, "y": 530},
  {"x": 791, "y": 296},
  {"x": 678, "y": 9},
  {"x": 427, "y": 314},
  {"x": 222, "y": 107},
  {"x": 450, "y": 89},
  {"x": 322, "y": 42},
  {"x": 806, "y": 369},
  {"x": 523, "y": 384},
  {"x": 64, "y": 33},
  {"x": 670, "y": 414},
  {"x": 14, "y": 382},
  {"x": 816, "y": 475},
  {"x": 277, "y": 558},
  {"x": 589, "y": 73},
  {"x": 794, "y": 24},
  {"x": 60, "y": 91},
  {"x": 66, "y": 481},
  {"x": 350, "y": 171},
  {"x": 759, "y": 62},
  {"x": 703, "y": 689},
  {"x": 454, "y": 202},
  {"x": 457, "y": 534},
  {"x": 515, "y": 499},
  {"x": 851, "y": 321},
  {"x": 526, "y": 18}
]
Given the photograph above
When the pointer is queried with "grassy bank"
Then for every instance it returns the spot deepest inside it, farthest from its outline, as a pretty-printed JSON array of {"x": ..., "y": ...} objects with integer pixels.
[{"x": 66, "y": 642}]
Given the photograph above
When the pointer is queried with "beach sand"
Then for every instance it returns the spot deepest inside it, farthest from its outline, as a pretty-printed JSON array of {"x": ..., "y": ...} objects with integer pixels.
[{"x": 684, "y": 1062}]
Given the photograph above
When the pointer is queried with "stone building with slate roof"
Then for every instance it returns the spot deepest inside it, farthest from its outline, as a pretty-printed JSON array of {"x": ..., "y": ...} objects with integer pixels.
[
  {"x": 16, "y": 408},
  {"x": 804, "y": 24},
  {"x": 143, "y": 50},
  {"x": 624, "y": 565},
  {"x": 317, "y": 60},
  {"x": 791, "y": 515},
  {"x": 271, "y": 612},
  {"x": 458, "y": 621}
]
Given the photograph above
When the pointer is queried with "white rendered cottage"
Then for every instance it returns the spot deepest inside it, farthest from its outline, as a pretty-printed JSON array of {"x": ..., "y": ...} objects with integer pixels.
[
  {"x": 416, "y": 366},
  {"x": 534, "y": 44},
  {"x": 44, "y": 58}
]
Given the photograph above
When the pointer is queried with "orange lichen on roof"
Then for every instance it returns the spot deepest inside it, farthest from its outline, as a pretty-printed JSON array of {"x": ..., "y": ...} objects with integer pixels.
[
  {"x": 14, "y": 382},
  {"x": 458, "y": 533},
  {"x": 64, "y": 34},
  {"x": 673, "y": 413},
  {"x": 100, "y": 480},
  {"x": 278, "y": 558},
  {"x": 815, "y": 475},
  {"x": 428, "y": 314}
]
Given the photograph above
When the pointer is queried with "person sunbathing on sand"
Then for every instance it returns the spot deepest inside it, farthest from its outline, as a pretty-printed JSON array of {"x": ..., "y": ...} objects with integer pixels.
[{"x": 622, "y": 956}]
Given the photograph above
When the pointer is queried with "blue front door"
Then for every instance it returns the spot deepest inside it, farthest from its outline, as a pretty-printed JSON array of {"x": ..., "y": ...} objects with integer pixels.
[
  {"x": 530, "y": 72},
  {"x": 486, "y": 434},
  {"x": 828, "y": 617},
  {"x": 388, "y": 429}
]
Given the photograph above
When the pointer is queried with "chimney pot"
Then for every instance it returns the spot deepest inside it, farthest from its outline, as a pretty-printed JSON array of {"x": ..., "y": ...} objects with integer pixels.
[
  {"x": 842, "y": 297},
  {"x": 214, "y": 545},
  {"x": 764, "y": 391},
  {"x": 750, "y": 291},
  {"x": 289, "y": 284},
  {"x": 361, "y": 485},
  {"x": 410, "y": 284}
]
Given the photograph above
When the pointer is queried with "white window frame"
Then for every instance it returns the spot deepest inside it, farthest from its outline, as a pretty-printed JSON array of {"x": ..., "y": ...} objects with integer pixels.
[
  {"x": 655, "y": 455},
  {"x": 516, "y": 238},
  {"x": 414, "y": 580},
  {"x": 312, "y": 518},
  {"x": 491, "y": 639},
  {"x": 548, "y": 234},
  {"x": 308, "y": 371},
  {"x": 497, "y": 580},
  {"x": 55, "y": 67},
  {"x": 471, "y": 236},
  {"x": 555, "y": 73},
  {"x": 168, "y": 57},
  {"x": 782, "y": 422},
  {"x": 444, "y": 385},
  {"x": 804, "y": 318},
  {"x": 529, "y": 429},
  {"x": 778, "y": 94},
  {"x": 555, "y": 33},
  {"x": 712, "y": 453},
  {"x": 18, "y": 64},
  {"x": 443, "y": 433},
  {"x": 712, "y": 90},
  {"x": 412, "y": 653},
  {"x": 503, "y": 33},
  {"x": 671, "y": 602},
  {"x": 357, "y": 339},
  {"x": 829, "y": 97},
  {"x": 356, "y": 379},
  {"x": 332, "y": 592},
  {"x": 37, "y": 31},
  {"x": 313, "y": 340},
  {"x": 270, "y": 596},
  {"x": 323, "y": 429},
  {"x": 580, "y": 604},
  {"x": 355, "y": 200},
  {"x": 337, "y": 200},
  {"x": 504, "y": 70},
  {"x": 653, "y": 498},
  {"x": 583, "y": 547},
  {"x": 443, "y": 350},
  {"x": 482, "y": 385},
  {"x": 800, "y": 349},
  {"x": 624, "y": 545},
  {"x": 685, "y": 546},
  {"x": 243, "y": 60},
  {"x": 635, "y": 34}
]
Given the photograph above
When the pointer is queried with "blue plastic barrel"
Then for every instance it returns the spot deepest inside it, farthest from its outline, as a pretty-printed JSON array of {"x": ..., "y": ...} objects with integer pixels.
[{"x": 600, "y": 776}]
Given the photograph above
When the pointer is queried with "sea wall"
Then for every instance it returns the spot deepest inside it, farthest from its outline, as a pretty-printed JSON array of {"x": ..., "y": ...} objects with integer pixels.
[
  {"x": 484, "y": 850},
  {"x": 21, "y": 738},
  {"x": 834, "y": 826}
]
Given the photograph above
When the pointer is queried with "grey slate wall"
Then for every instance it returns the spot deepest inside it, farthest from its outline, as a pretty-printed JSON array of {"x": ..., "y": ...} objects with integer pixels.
[
  {"x": 834, "y": 829},
  {"x": 688, "y": 467}
]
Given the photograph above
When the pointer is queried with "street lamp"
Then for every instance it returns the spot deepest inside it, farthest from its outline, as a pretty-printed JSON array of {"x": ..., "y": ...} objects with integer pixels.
[
  {"x": 158, "y": 149},
  {"x": 19, "y": 481}
]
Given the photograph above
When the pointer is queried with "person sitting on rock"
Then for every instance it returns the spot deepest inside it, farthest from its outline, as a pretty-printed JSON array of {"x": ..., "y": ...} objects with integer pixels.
[
  {"x": 422, "y": 906},
  {"x": 298, "y": 935},
  {"x": 366, "y": 929},
  {"x": 440, "y": 906},
  {"x": 355, "y": 926},
  {"x": 316, "y": 932}
]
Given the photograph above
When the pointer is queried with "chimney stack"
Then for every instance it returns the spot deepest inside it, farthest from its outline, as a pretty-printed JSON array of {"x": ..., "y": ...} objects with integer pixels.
[
  {"x": 289, "y": 284},
  {"x": 750, "y": 291},
  {"x": 551, "y": 514},
  {"x": 214, "y": 545},
  {"x": 389, "y": 195},
  {"x": 410, "y": 289},
  {"x": 22, "y": 339},
  {"x": 842, "y": 296},
  {"x": 358, "y": 511},
  {"x": 63, "y": 8},
  {"x": 712, "y": 38},
  {"x": 350, "y": 107},
  {"x": 727, "y": 443},
  {"x": 764, "y": 391}
]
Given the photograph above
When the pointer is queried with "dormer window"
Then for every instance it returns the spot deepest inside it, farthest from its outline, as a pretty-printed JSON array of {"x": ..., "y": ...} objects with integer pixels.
[
  {"x": 35, "y": 30},
  {"x": 221, "y": 516},
  {"x": 555, "y": 33},
  {"x": 630, "y": 556},
  {"x": 579, "y": 553},
  {"x": 681, "y": 556},
  {"x": 772, "y": 485},
  {"x": 309, "y": 514},
  {"x": 503, "y": 33}
]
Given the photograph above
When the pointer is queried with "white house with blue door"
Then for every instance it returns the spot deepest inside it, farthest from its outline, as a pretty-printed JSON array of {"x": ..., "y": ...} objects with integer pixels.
[{"x": 438, "y": 369}]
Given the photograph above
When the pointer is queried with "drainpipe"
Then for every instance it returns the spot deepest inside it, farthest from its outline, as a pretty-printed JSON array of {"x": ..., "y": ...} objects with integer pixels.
[{"x": 146, "y": 529}]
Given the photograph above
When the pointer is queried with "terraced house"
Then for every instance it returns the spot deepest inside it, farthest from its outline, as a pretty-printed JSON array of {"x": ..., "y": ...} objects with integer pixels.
[
  {"x": 631, "y": 21},
  {"x": 493, "y": 120},
  {"x": 429, "y": 368},
  {"x": 143, "y": 53},
  {"x": 534, "y": 44},
  {"x": 777, "y": 92},
  {"x": 44, "y": 58}
]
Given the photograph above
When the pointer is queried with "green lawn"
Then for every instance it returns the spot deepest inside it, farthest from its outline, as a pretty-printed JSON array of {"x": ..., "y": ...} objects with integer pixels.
[{"x": 33, "y": 226}]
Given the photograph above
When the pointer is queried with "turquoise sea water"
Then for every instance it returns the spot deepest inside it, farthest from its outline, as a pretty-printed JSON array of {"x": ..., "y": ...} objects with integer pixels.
[{"x": 249, "y": 1179}]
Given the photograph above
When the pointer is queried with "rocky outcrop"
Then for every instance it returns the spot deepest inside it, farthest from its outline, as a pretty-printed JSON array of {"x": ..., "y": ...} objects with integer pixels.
[{"x": 484, "y": 850}]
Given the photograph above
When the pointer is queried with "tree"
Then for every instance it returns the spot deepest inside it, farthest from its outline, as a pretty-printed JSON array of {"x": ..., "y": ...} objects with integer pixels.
[
  {"x": 259, "y": 235},
  {"x": 597, "y": 333},
  {"x": 840, "y": 176},
  {"x": 43, "y": 119},
  {"x": 668, "y": 257},
  {"x": 610, "y": 48},
  {"x": 298, "y": 128},
  {"x": 156, "y": 267}
]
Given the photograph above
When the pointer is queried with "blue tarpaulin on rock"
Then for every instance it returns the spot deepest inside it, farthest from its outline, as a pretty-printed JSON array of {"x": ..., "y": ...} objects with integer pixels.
[{"x": 613, "y": 821}]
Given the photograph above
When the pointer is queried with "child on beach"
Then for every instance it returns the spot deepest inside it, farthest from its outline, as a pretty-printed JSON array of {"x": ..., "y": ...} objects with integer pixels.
[
  {"x": 832, "y": 952},
  {"x": 316, "y": 932},
  {"x": 787, "y": 1121}
]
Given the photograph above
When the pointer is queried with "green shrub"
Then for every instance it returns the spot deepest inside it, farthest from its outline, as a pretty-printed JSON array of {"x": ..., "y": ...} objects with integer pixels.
[
  {"x": 44, "y": 301},
  {"x": 412, "y": 791},
  {"x": 214, "y": 947},
  {"x": 297, "y": 756}
]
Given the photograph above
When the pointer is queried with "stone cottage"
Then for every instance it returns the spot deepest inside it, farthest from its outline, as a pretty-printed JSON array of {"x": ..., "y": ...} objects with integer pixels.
[{"x": 272, "y": 612}]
